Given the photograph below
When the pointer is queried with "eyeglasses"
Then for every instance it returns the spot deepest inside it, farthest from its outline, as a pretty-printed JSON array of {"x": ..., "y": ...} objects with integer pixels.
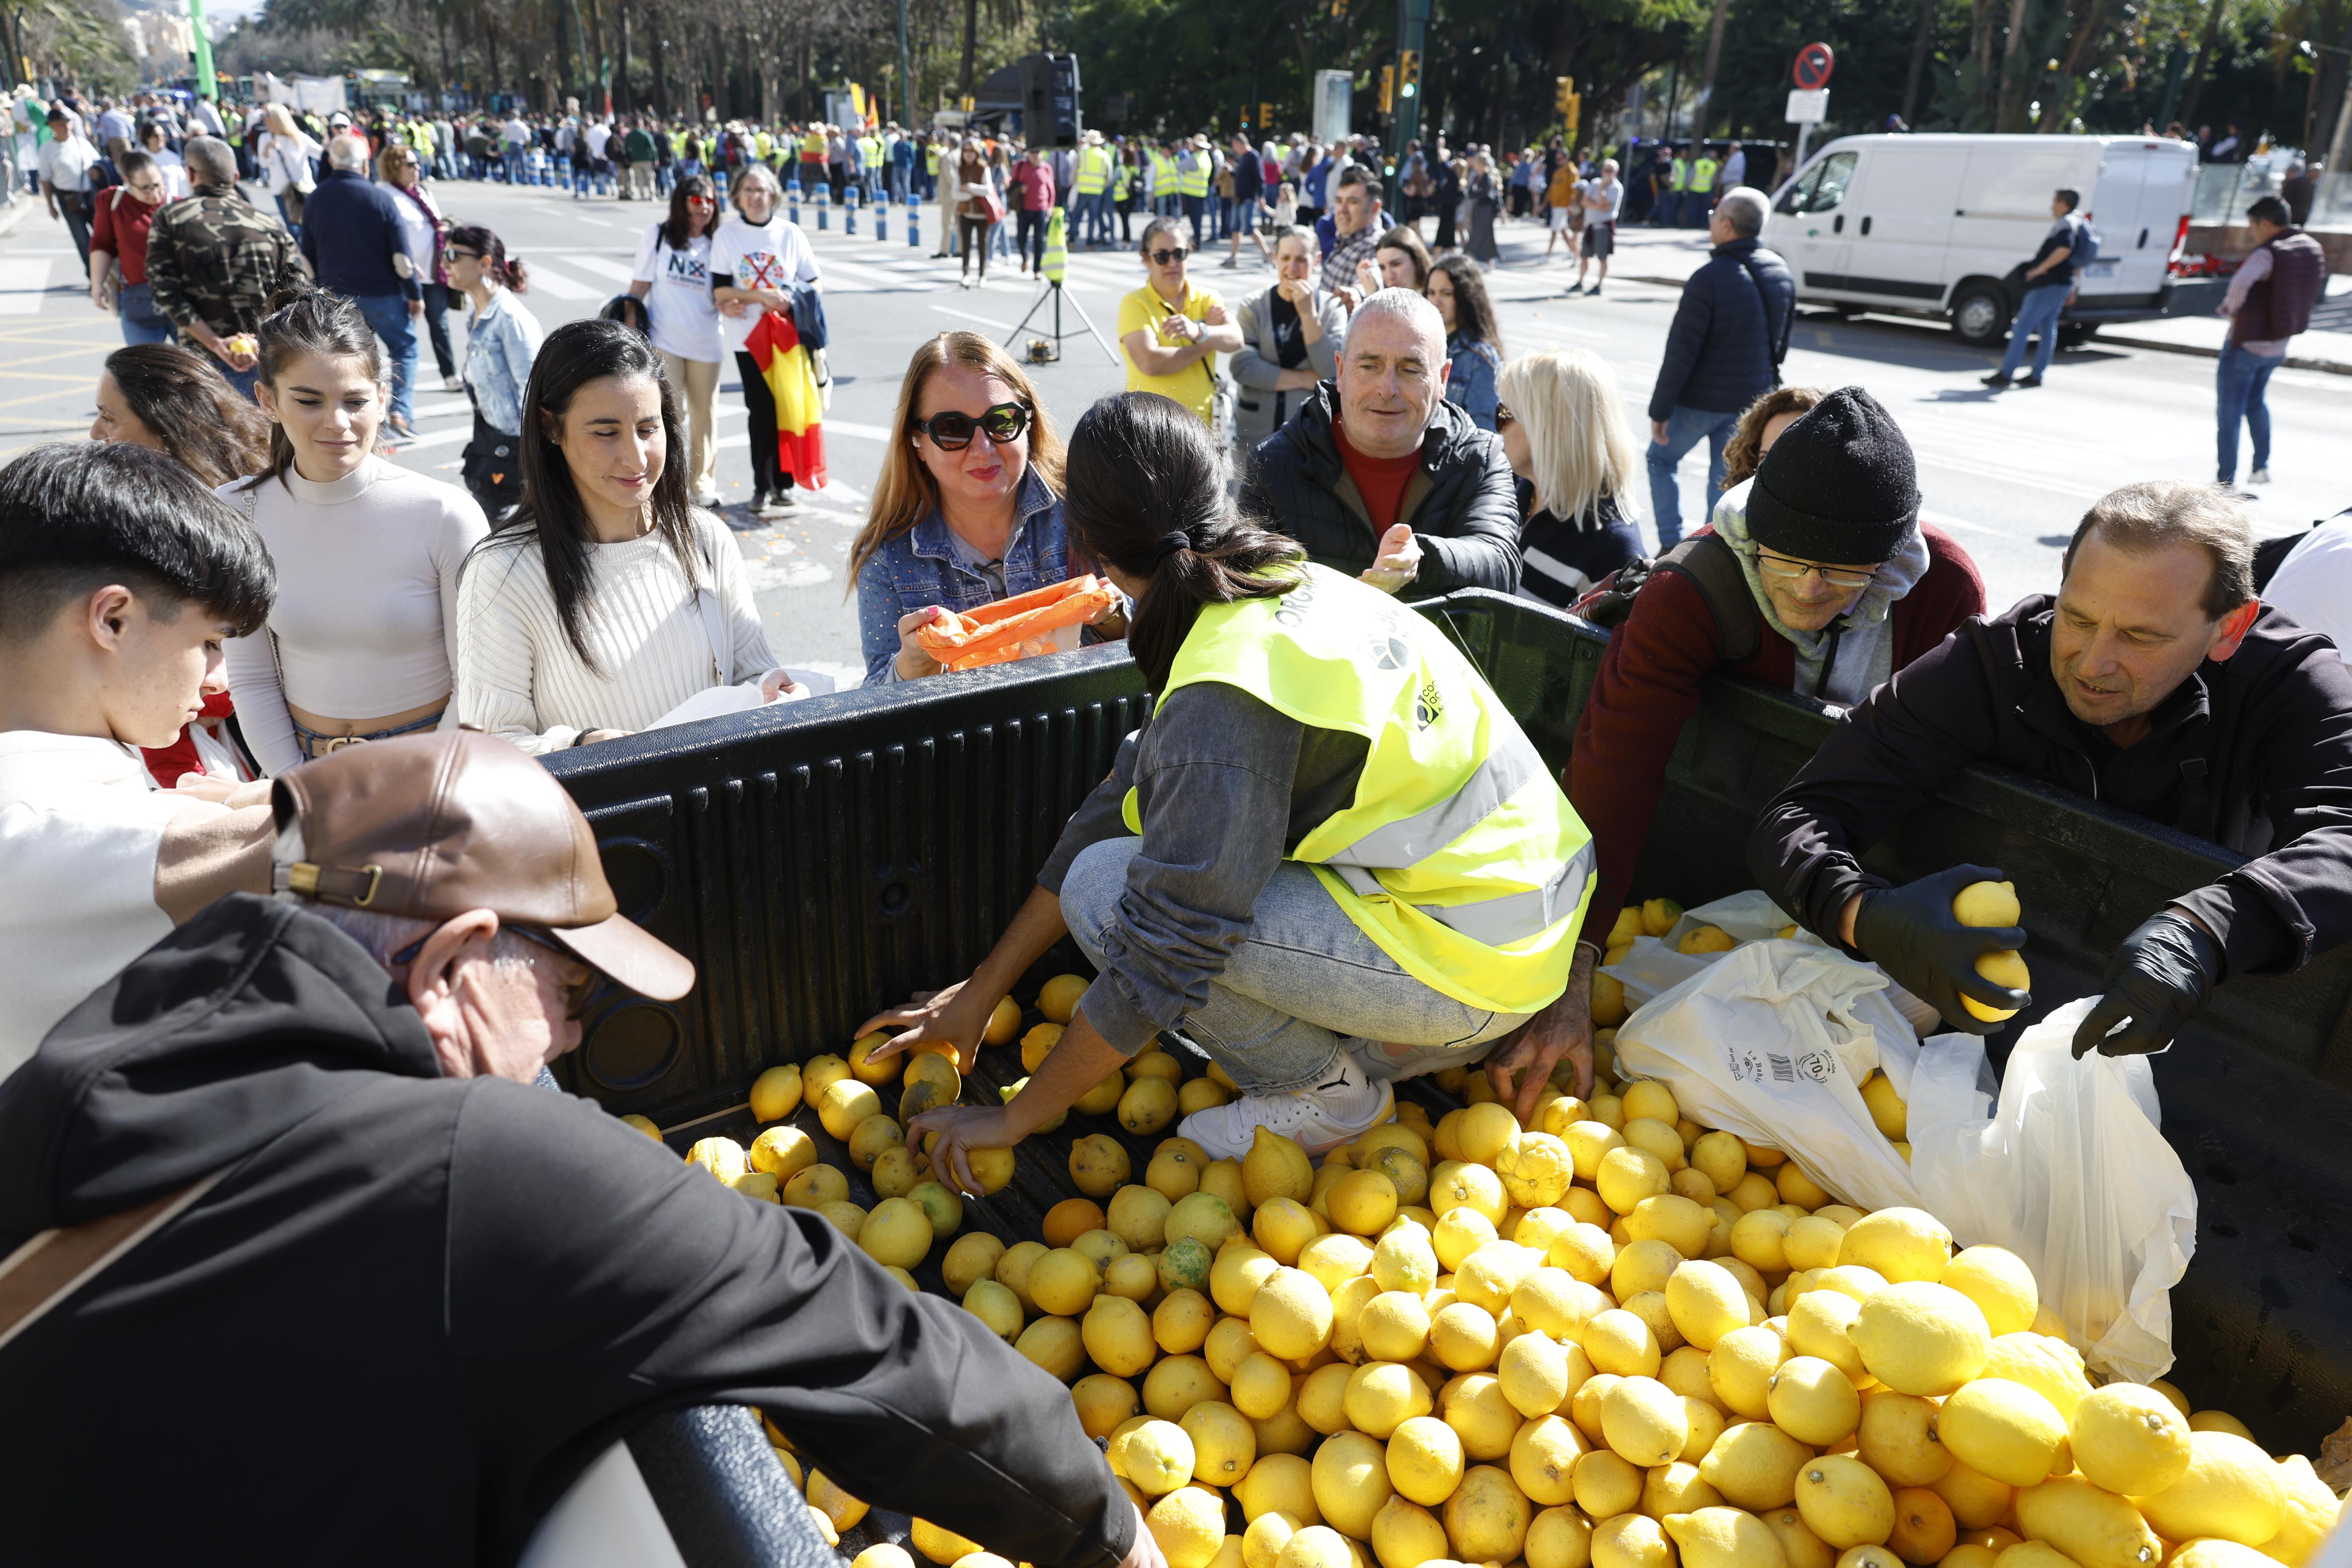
[
  {"x": 1166, "y": 257},
  {"x": 454, "y": 254},
  {"x": 700, "y": 202},
  {"x": 1790, "y": 570},
  {"x": 952, "y": 429},
  {"x": 1503, "y": 416},
  {"x": 577, "y": 994}
]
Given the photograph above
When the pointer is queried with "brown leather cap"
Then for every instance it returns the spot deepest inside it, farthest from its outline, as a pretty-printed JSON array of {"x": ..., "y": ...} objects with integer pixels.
[{"x": 430, "y": 826}]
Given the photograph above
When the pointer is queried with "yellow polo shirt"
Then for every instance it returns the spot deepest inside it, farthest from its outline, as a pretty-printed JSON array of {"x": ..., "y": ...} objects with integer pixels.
[{"x": 1194, "y": 386}]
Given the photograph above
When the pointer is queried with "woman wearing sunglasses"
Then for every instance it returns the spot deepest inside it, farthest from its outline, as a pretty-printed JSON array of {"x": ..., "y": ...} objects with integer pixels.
[
  {"x": 1172, "y": 327},
  {"x": 672, "y": 278},
  {"x": 969, "y": 507},
  {"x": 502, "y": 339}
]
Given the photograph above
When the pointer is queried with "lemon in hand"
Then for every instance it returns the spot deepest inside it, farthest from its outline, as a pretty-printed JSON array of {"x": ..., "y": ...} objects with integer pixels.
[
  {"x": 2006, "y": 967},
  {"x": 1988, "y": 903}
]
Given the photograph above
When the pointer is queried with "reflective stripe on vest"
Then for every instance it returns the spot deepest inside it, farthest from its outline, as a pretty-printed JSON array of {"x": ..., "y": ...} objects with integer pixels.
[
  {"x": 1475, "y": 893},
  {"x": 930, "y": 159},
  {"x": 1094, "y": 171},
  {"x": 1057, "y": 245},
  {"x": 1192, "y": 175},
  {"x": 1703, "y": 176}
]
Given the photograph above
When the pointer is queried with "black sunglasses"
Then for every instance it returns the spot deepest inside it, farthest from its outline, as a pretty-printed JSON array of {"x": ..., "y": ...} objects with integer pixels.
[
  {"x": 577, "y": 994},
  {"x": 454, "y": 254},
  {"x": 1166, "y": 257},
  {"x": 951, "y": 429}
]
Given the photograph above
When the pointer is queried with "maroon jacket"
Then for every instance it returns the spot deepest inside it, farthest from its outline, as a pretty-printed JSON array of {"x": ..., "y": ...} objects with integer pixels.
[
  {"x": 2279, "y": 306},
  {"x": 1649, "y": 685}
]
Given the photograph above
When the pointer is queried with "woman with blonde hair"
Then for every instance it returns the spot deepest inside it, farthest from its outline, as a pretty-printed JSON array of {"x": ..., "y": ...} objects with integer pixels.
[
  {"x": 968, "y": 509},
  {"x": 288, "y": 160},
  {"x": 1564, "y": 431}
]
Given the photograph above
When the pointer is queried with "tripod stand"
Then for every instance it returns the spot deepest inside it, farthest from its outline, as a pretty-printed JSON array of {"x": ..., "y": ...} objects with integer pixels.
[{"x": 1054, "y": 292}]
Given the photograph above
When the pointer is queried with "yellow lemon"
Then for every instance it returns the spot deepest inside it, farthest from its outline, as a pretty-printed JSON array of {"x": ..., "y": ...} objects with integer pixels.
[
  {"x": 1224, "y": 1444},
  {"x": 898, "y": 1231},
  {"x": 1897, "y": 1439},
  {"x": 1315, "y": 1546},
  {"x": 883, "y": 1554},
  {"x": 1657, "y": 1139},
  {"x": 1739, "y": 1370},
  {"x": 1064, "y": 1282},
  {"x": 819, "y": 1073},
  {"x": 1759, "y": 1239},
  {"x": 1458, "y": 1233},
  {"x": 2005, "y": 968},
  {"x": 828, "y": 1498},
  {"x": 776, "y": 1093},
  {"x": 1642, "y": 1266},
  {"x": 1117, "y": 1334},
  {"x": 1796, "y": 1187},
  {"x": 996, "y": 1306},
  {"x": 2095, "y": 1527},
  {"x": 1058, "y": 997},
  {"x": 1189, "y": 1525},
  {"x": 1821, "y": 1324},
  {"x": 1558, "y": 1538},
  {"x": 1605, "y": 1484},
  {"x": 1627, "y": 1175},
  {"x": 1488, "y": 1516},
  {"x": 1229, "y": 1345},
  {"x": 847, "y": 1217},
  {"x": 845, "y": 1103},
  {"x": 1899, "y": 1244},
  {"x": 1321, "y": 1401},
  {"x": 1659, "y": 915},
  {"x": 1406, "y": 1535},
  {"x": 2051, "y": 1367},
  {"x": 2003, "y": 1430},
  {"x": 992, "y": 1168},
  {"x": 2217, "y": 1554},
  {"x": 1754, "y": 1465},
  {"x": 1403, "y": 1258},
  {"x": 1269, "y": 1532},
  {"x": 1642, "y": 1421},
  {"x": 1098, "y": 1165},
  {"x": 1146, "y": 1105},
  {"x": 1544, "y": 1453},
  {"x": 1203, "y": 1217},
  {"x": 1813, "y": 1401},
  {"x": 1534, "y": 1373},
  {"x": 1708, "y": 1302},
  {"x": 971, "y": 1258},
  {"x": 1842, "y": 1500},
  {"x": 1181, "y": 1322},
  {"x": 2309, "y": 1511},
  {"x": 1038, "y": 1044},
  {"x": 1351, "y": 1481},
  {"x": 1887, "y": 1111},
  {"x": 2129, "y": 1439},
  {"x": 1918, "y": 1338},
  {"x": 1138, "y": 1217},
  {"x": 1424, "y": 1459},
  {"x": 1537, "y": 1169},
  {"x": 871, "y": 1138},
  {"x": 1056, "y": 1346},
  {"x": 1554, "y": 1302},
  {"x": 1157, "y": 1456},
  {"x": 1103, "y": 1098},
  {"x": 1976, "y": 1500},
  {"x": 1473, "y": 1405},
  {"x": 1279, "y": 1483},
  {"x": 1723, "y": 1538},
  {"x": 1706, "y": 939},
  {"x": 1632, "y": 1540},
  {"x": 2001, "y": 1285},
  {"x": 1382, "y": 1394},
  {"x": 1261, "y": 1387},
  {"x": 1291, "y": 1314},
  {"x": 645, "y": 1123},
  {"x": 1361, "y": 1203},
  {"x": 1235, "y": 1276},
  {"x": 1394, "y": 1326},
  {"x": 722, "y": 1158},
  {"x": 2230, "y": 1489},
  {"x": 1275, "y": 1167},
  {"x": 1282, "y": 1226},
  {"x": 1103, "y": 1403},
  {"x": 1619, "y": 1342},
  {"x": 1987, "y": 905}
]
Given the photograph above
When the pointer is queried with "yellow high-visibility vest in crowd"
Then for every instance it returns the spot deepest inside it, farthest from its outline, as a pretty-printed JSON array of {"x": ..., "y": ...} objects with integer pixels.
[
  {"x": 1094, "y": 171},
  {"x": 869, "y": 148},
  {"x": 1057, "y": 245},
  {"x": 1163, "y": 174},
  {"x": 931, "y": 158},
  {"x": 1193, "y": 174},
  {"x": 1122, "y": 180},
  {"x": 1459, "y": 856},
  {"x": 1678, "y": 175},
  {"x": 761, "y": 145},
  {"x": 1703, "y": 174}
]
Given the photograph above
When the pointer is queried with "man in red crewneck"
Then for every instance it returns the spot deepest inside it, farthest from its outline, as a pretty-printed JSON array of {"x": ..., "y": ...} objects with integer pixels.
[{"x": 1379, "y": 474}]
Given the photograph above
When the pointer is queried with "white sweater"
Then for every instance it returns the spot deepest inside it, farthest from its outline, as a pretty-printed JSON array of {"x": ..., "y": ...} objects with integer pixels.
[
  {"x": 366, "y": 620},
  {"x": 519, "y": 676}
]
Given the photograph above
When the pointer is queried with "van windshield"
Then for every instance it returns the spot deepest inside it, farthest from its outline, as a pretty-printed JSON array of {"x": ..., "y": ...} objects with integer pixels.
[{"x": 1820, "y": 187}]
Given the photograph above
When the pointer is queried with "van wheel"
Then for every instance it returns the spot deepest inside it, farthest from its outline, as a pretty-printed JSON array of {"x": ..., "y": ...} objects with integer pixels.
[{"x": 1981, "y": 315}]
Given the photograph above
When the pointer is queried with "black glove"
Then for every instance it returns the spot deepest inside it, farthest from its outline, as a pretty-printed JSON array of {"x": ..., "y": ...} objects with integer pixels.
[
  {"x": 1911, "y": 933},
  {"x": 2157, "y": 980}
]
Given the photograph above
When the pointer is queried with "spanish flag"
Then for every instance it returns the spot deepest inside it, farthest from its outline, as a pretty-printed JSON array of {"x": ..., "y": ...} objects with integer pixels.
[{"x": 776, "y": 349}]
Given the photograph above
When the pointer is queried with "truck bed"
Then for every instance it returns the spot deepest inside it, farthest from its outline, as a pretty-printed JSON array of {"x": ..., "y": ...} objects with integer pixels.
[{"x": 826, "y": 858}]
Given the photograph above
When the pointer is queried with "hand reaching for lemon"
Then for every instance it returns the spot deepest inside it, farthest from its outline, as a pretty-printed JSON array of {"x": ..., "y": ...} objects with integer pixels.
[{"x": 958, "y": 1015}]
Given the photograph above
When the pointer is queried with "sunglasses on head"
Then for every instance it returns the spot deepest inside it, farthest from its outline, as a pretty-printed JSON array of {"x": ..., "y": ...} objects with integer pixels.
[
  {"x": 1167, "y": 257},
  {"x": 952, "y": 429}
]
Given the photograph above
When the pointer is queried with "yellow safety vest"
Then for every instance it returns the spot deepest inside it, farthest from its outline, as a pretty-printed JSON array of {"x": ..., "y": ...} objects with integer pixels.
[
  {"x": 1703, "y": 174},
  {"x": 1164, "y": 174},
  {"x": 870, "y": 149},
  {"x": 1193, "y": 174},
  {"x": 1678, "y": 176},
  {"x": 1057, "y": 248},
  {"x": 931, "y": 158},
  {"x": 1094, "y": 171},
  {"x": 1122, "y": 180},
  {"x": 1459, "y": 856}
]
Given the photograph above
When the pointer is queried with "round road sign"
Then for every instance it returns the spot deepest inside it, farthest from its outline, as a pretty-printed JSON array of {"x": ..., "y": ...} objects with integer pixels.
[{"x": 1814, "y": 63}]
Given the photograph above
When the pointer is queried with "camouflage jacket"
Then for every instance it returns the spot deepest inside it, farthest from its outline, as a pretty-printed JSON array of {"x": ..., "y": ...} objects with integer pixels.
[{"x": 214, "y": 258}]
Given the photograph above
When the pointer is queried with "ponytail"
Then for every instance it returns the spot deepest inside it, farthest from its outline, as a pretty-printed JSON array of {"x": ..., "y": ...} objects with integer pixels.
[
  {"x": 509, "y": 272},
  {"x": 1146, "y": 493}
]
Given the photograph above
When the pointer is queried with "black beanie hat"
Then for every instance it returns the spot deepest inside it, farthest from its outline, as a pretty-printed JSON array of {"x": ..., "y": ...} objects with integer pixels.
[{"x": 1839, "y": 486}]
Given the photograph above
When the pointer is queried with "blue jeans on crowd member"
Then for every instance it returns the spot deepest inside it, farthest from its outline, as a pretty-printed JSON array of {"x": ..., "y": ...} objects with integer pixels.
[
  {"x": 2037, "y": 316},
  {"x": 1302, "y": 980},
  {"x": 1663, "y": 211},
  {"x": 388, "y": 314},
  {"x": 1098, "y": 217},
  {"x": 2241, "y": 381},
  {"x": 141, "y": 324},
  {"x": 243, "y": 380},
  {"x": 514, "y": 166},
  {"x": 1686, "y": 428},
  {"x": 1194, "y": 207}
]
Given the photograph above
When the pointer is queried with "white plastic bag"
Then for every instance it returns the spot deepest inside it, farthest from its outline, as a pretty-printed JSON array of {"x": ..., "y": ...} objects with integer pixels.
[
  {"x": 1772, "y": 1041},
  {"x": 2070, "y": 1173}
]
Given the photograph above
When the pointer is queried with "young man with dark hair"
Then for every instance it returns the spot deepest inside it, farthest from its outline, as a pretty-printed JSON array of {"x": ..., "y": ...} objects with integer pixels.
[
  {"x": 2270, "y": 299},
  {"x": 2154, "y": 682},
  {"x": 2048, "y": 282},
  {"x": 121, "y": 578}
]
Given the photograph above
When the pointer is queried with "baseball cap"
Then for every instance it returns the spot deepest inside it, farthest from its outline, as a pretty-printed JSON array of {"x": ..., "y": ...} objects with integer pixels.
[{"x": 431, "y": 826}]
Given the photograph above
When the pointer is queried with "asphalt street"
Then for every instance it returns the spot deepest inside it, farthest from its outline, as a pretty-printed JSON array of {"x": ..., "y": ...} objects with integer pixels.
[{"x": 2009, "y": 473}]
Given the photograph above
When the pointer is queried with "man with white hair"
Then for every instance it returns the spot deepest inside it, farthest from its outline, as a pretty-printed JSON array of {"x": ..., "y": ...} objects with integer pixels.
[
  {"x": 1379, "y": 474},
  {"x": 1723, "y": 352},
  {"x": 214, "y": 260},
  {"x": 352, "y": 236}
]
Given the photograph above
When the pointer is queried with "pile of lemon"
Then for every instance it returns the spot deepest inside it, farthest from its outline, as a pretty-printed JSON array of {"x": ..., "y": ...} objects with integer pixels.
[{"x": 1613, "y": 1337}]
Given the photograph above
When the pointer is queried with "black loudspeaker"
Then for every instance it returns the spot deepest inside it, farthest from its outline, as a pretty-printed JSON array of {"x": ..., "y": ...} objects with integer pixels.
[{"x": 1049, "y": 100}]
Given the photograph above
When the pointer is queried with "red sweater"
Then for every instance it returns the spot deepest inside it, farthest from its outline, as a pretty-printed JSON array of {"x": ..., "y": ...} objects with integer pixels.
[{"x": 1649, "y": 685}]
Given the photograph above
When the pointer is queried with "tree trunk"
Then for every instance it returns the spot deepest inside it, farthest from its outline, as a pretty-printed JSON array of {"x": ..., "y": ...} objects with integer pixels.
[
  {"x": 971, "y": 39},
  {"x": 599, "y": 92},
  {"x": 2090, "y": 18},
  {"x": 2204, "y": 63},
  {"x": 1705, "y": 114},
  {"x": 623, "y": 97},
  {"x": 1920, "y": 39},
  {"x": 659, "y": 52},
  {"x": 2017, "y": 71},
  {"x": 2328, "y": 85}
]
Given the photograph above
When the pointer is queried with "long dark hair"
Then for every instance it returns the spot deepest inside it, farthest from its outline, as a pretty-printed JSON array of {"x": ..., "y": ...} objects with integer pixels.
[
  {"x": 507, "y": 270},
  {"x": 678, "y": 229},
  {"x": 215, "y": 431},
  {"x": 306, "y": 320},
  {"x": 1146, "y": 492},
  {"x": 552, "y": 512},
  {"x": 1474, "y": 313}
]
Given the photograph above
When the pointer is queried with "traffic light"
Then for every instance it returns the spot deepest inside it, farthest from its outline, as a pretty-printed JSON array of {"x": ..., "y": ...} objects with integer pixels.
[
  {"x": 1388, "y": 89},
  {"x": 1266, "y": 116},
  {"x": 1563, "y": 93},
  {"x": 1409, "y": 74}
]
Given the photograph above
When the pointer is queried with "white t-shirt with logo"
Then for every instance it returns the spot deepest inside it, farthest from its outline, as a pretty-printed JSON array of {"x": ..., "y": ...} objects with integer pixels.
[
  {"x": 686, "y": 319},
  {"x": 773, "y": 255}
]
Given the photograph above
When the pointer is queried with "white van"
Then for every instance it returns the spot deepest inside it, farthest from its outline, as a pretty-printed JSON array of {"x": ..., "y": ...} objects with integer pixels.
[{"x": 1935, "y": 224}]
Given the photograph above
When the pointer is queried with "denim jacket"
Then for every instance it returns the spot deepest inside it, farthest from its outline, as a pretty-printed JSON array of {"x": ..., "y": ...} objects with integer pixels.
[
  {"x": 502, "y": 341},
  {"x": 1472, "y": 385},
  {"x": 930, "y": 564}
]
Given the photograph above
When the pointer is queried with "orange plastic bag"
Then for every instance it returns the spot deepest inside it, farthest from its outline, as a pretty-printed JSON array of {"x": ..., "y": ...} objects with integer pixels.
[{"x": 1016, "y": 628}]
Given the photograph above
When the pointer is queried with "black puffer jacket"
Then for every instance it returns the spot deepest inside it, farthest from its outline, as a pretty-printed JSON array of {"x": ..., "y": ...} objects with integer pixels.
[
  {"x": 1728, "y": 332},
  {"x": 1463, "y": 504}
]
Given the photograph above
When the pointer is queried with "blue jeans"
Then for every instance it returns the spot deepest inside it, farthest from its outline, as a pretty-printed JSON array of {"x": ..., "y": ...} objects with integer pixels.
[
  {"x": 514, "y": 166},
  {"x": 2239, "y": 381},
  {"x": 1194, "y": 206},
  {"x": 1098, "y": 217},
  {"x": 388, "y": 314},
  {"x": 1669, "y": 206},
  {"x": 158, "y": 329},
  {"x": 2038, "y": 316},
  {"x": 1304, "y": 977},
  {"x": 1686, "y": 428}
]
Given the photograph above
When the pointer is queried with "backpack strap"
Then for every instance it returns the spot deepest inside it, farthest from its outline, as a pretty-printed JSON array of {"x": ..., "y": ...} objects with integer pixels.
[{"x": 1712, "y": 567}]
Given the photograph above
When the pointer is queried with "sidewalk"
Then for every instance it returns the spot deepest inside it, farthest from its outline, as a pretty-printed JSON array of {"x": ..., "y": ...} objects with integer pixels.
[{"x": 1668, "y": 257}]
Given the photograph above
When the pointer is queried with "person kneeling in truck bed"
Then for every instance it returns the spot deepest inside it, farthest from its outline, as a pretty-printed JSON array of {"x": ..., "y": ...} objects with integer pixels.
[
  {"x": 369, "y": 1220},
  {"x": 1329, "y": 834},
  {"x": 1817, "y": 576},
  {"x": 2155, "y": 682}
]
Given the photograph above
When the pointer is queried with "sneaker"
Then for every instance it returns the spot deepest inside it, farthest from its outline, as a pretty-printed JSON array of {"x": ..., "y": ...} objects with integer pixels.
[
  {"x": 2259, "y": 476},
  {"x": 1385, "y": 1063},
  {"x": 759, "y": 500},
  {"x": 1230, "y": 263},
  {"x": 1337, "y": 1111},
  {"x": 1998, "y": 379},
  {"x": 780, "y": 505},
  {"x": 1593, "y": 292},
  {"x": 2029, "y": 382},
  {"x": 452, "y": 383},
  {"x": 1573, "y": 289}
]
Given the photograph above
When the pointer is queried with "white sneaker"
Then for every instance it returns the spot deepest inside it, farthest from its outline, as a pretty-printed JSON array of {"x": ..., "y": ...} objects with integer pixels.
[
  {"x": 1385, "y": 1063},
  {"x": 2259, "y": 476},
  {"x": 1338, "y": 1111}
]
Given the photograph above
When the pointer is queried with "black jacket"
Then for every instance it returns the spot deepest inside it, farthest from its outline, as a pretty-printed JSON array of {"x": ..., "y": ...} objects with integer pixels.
[
  {"x": 417, "y": 1308},
  {"x": 2253, "y": 753},
  {"x": 1463, "y": 504},
  {"x": 353, "y": 239},
  {"x": 1729, "y": 332}
]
